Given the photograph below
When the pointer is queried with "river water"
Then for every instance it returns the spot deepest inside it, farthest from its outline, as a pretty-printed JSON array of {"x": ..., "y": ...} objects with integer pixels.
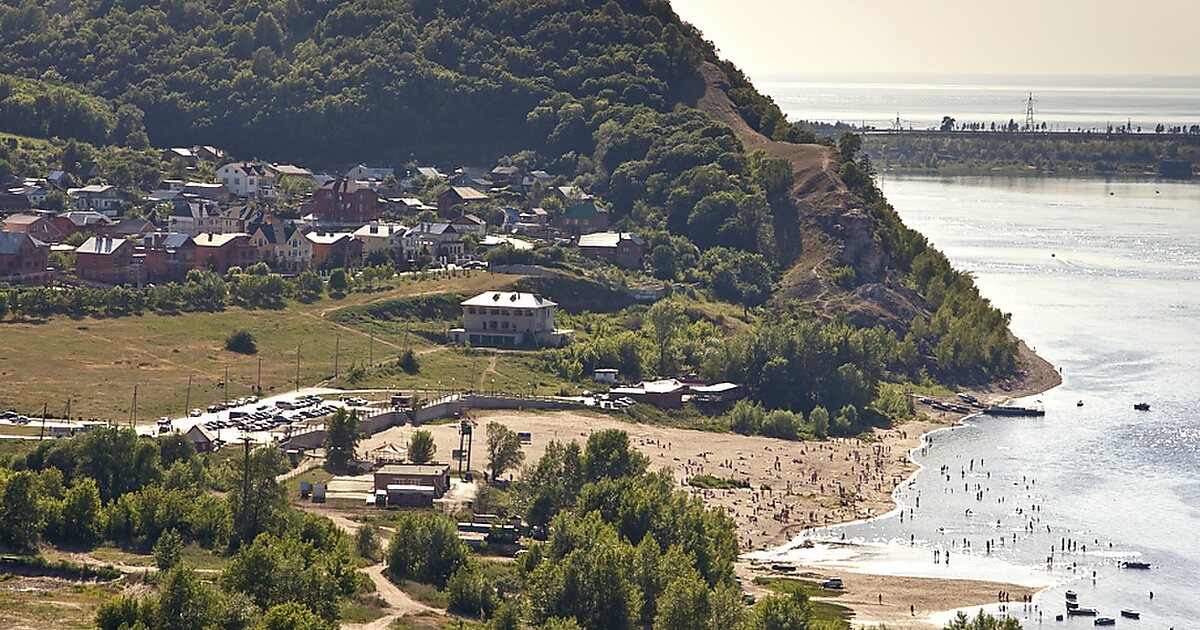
[{"x": 1103, "y": 279}]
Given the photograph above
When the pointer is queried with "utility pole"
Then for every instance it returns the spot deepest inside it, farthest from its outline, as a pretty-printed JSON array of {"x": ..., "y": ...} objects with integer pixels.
[
  {"x": 226, "y": 384},
  {"x": 371, "y": 352},
  {"x": 337, "y": 350},
  {"x": 187, "y": 400},
  {"x": 297, "y": 367},
  {"x": 42, "y": 434},
  {"x": 260, "y": 376},
  {"x": 68, "y": 408},
  {"x": 132, "y": 409}
]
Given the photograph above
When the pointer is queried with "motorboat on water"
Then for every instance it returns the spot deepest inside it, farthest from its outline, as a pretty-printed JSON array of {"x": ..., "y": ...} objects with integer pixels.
[
  {"x": 1131, "y": 614},
  {"x": 1082, "y": 612},
  {"x": 1079, "y": 404},
  {"x": 1105, "y": 621},
  {"x": 1142, "y": 406},
  {"x": 1072, "y": 604},
  {"x": 1133, "y": 564},
  {"x": 1072, "y": 595}
]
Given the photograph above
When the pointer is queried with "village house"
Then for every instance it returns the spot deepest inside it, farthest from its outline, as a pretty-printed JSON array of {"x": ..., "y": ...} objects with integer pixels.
[
  {"x": 23, "y": 259},
  {"x": 207, "y": 153},
  {"x": 283, "y": 247},
  {"x": 364, "y": 173},
  {"x": 102, "y": 198},
  {"x": 453, "y": 201},
  {"x": 197, "y": 217},
  {"x": 80, "y": 221},
  {"x": 107, "y": 260},
  {"x": 129, "y": 226},
  {"x": 177, "y": 251},
  {"x": 439, "y": 240},
  {"x": 512, "y": 176},
  {"x": 246, "y": 179},
  {"x": 204, "y": 190},
  {"x": 509, "y": 320},
  {"x": 290, "y": 170},
  {"x": 411, "y": 485},
  {"x": 534, "y": 179},
  {"x": 334, "y": 249},
  {"x": 623, "y": 249},
  {"x": 35, "y": 225},
  {"x": 582, "y": 217},
  {"x": 469, "y": 224},
  {"x": 13, "y": 201},
  {"x": 219, "y": 252},
  {"x": 35, "y": 190},
  {"x": 567, "y": 194},
  {"x": 345, "y": 202},
  {"x": 183, "y": 154},
  {"x": 381, "y": 236}
]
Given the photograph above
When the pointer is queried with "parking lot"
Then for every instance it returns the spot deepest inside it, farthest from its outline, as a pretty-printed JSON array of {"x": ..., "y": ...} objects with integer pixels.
[{"x": 264, "y": 420}]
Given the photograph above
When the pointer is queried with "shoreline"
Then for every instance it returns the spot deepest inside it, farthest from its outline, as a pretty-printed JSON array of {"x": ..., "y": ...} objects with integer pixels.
[{"x": 934, "y": 599}]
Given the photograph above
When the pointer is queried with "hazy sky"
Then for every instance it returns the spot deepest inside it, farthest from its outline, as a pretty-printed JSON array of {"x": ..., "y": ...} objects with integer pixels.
[{"x": 1013, "y": 37}]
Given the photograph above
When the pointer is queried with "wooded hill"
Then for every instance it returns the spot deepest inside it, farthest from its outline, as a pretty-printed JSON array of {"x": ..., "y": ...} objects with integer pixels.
[{"x": 621, "y": 97}]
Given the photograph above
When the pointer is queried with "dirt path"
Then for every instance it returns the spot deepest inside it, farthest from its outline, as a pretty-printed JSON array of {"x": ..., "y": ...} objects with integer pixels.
[{"x": 398, "y": 602}]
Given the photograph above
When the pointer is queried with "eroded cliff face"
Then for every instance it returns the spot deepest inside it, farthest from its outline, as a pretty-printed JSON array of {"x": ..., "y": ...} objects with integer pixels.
[{"x": 822, "y": 226}]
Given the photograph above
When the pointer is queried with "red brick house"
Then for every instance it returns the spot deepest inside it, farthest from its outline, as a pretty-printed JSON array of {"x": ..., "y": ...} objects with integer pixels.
[
  {"x": 219, "y": 252},
  {"x": 335, "y": 248},
  {"x": 345, "y": 201},
  {"x": 23, "y": 259},
  {"x": 108, "y": 260},
  {"x": 39, "y": 227}
]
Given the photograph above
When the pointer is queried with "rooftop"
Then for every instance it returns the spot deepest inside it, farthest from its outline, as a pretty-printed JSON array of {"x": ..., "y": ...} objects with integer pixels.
[
  {"x": 509, "y": 300},
  {"x": 608, "y": 239},
  {"x": 414, "y": 469}
]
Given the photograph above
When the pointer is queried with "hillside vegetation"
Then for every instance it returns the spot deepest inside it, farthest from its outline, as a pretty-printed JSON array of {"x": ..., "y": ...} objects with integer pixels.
[{"x": 622, "y": 98}]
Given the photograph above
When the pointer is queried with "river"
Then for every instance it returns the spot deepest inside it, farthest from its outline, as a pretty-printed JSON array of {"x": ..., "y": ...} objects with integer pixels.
[{"x": 1103, "y": 279}]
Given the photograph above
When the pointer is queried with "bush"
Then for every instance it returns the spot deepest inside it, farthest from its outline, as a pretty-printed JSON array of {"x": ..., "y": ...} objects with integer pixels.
[
  {"x": 709, "y": 482},
  {"x": 845, "y": 277},
  {"x": 408, "y": 362},
  {"x": 241, "y": 341},
  {"x": 168, "y": 550},
  {"x": 425, "y": 548}
]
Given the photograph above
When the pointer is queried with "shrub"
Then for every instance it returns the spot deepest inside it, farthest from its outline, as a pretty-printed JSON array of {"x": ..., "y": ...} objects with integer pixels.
[
  {"x": 471, "y": 593},
  {"x": 408, "y": 362},
  {"x": 241, "y": 341}
]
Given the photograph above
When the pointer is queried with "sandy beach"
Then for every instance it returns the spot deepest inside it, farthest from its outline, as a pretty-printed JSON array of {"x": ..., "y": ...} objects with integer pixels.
[{"x": 793, "y": 486}]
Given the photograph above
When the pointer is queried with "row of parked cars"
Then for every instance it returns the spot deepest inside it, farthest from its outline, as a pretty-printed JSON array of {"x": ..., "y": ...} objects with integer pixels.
[{"x": 300, "y": 403}]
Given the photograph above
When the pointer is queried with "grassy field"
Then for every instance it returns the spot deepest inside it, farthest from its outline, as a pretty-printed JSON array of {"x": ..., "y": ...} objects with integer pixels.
[
  {"x": 35, "y": 603},
  {"x": 95, "y": 363}
]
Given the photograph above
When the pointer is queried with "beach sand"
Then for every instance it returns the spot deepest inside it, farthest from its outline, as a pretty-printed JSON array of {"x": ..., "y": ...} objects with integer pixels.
[{"x": 794, "y": 486}]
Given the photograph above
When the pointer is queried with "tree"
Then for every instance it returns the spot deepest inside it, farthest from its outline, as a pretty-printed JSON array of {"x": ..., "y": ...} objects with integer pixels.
[
  {"x": 82, "y": 515},
  {"x": 184, "y": 602},
  {"x": 504, "y": 449},
  {"x": 291, "y": 616},
  {"x": 665, "y": 321},
  {"x": 241, "y": 341},
  {"x": 608, "y": 456},
  {"x": 470, "y": 592},
  {"x": 339, "y": 282},
  {"x": 421, "y": 447},
  {"x": 168, "y": 549},
  {"x": 366, "y": 542},
  {"x": 849, "y": 145},
  {"x": 819, "y": 418},
  {"x": 783, "y": 612},
  {"x": 20, "y": 516},
  {"x": 682, "y": 603},
  {"x": 425, "y": 548},
  {"x": 949, "y": 122},
  {"x": 308, "y": 285},
  {"x": 341, "y": 438},
  {"x": 259, "y": 504}
]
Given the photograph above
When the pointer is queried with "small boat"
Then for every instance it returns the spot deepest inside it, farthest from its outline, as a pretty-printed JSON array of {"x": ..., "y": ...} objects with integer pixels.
[
  {"x": 1142, "y": 406},
  {"x": 1072, "y": 605},
  {"x": 1071, "y": 595},
  {"x": 783, "y": 568},
  {"x": 1131, "y": 564},
  {"x": 1082, "y": 612},
  {"x": 1079, "y": 404},
  {"x": 1105, "y": 621},
  {"x": 1131, "y": 614}
]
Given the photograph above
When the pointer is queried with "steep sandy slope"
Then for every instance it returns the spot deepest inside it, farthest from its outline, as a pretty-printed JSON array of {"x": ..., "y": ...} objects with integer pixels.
[{"x": 820, "y": 226}]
